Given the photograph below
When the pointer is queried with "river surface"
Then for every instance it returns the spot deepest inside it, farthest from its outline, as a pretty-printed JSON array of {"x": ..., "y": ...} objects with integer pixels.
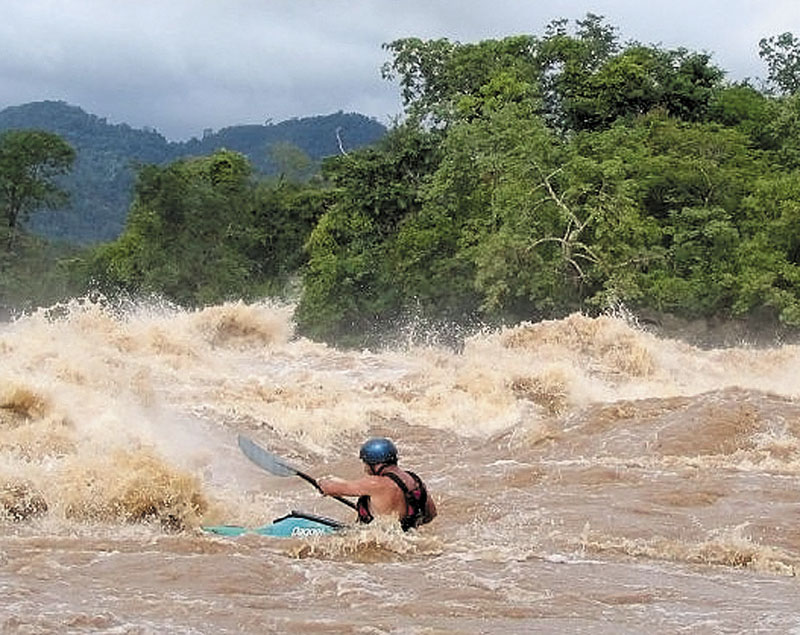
[{"x": 590, "y": 477}]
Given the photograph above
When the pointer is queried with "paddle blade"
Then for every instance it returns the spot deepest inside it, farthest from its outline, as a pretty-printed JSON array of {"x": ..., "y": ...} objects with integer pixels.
[
  {"x": 265, "y": 460},
  {"x": 274, "y": 464}
]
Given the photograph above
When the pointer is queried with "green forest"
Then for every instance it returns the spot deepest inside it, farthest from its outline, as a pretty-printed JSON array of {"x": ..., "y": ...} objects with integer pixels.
[
  {"x": 529, "y": 177},
  {"x": 100, "y": 181}
]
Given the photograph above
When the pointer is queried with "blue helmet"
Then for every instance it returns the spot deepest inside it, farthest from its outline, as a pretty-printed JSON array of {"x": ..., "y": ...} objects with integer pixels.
[{"x": 378, "y": 450}]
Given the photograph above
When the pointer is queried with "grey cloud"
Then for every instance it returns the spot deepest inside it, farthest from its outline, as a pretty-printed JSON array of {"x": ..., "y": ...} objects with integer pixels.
[{"x": 185, "y": 65}]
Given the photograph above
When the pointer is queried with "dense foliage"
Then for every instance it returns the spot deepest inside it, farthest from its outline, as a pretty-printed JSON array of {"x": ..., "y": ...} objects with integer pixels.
[
  {"x": 201, "y": 230},
  {"x": 531, "y": 176},
  {"x": 29, "y": 161},
  {"x": 565, "y": 172},
  {"x": 35, "y": 273}
]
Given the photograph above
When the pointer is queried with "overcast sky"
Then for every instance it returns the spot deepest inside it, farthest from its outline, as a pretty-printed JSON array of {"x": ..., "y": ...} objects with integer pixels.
[{"x": 181, "y": 66}]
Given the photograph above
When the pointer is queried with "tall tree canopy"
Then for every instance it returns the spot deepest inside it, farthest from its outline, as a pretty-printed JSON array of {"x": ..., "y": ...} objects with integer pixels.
[
  {"x": 782, "y": 56},
  {"x": 580, "y": 80},
  {"x": 561, "y": 172},
  {"x": 29, "y": 161},
  {"x": 201, "y": 230}
]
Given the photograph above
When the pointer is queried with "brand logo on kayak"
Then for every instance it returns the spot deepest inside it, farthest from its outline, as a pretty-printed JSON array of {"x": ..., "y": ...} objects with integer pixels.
[{"x": 307, "y": 531}]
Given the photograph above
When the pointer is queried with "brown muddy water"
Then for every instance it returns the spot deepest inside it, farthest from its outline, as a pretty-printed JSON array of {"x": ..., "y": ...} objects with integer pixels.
[{"x": 590, "y": 478}]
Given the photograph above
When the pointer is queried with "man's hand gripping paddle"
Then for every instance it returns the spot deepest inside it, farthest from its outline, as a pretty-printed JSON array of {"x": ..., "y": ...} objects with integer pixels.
[{"x": 274, "y": 464}]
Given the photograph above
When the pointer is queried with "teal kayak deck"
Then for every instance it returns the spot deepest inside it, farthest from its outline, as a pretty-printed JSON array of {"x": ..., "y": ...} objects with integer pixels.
[{"x": 293, "y": 525}]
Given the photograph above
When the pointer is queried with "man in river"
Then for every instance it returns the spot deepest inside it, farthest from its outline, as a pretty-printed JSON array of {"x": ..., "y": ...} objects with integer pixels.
[{"x": 386, "y": 490}]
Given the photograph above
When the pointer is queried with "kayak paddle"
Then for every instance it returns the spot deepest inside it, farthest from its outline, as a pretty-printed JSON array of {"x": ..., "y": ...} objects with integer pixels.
[{"x": 274, "y": 464}]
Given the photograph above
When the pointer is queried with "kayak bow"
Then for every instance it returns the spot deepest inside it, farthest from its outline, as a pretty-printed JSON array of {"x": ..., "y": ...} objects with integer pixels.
[{"x": 294, "y": 525}]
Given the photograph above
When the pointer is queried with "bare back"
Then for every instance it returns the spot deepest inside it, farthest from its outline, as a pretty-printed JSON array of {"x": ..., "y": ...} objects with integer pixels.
[{"x": 385, "y": 497}]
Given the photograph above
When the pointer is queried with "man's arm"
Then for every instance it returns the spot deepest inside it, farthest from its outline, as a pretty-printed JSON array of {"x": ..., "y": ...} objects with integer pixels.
[{"x": 332, "y": 486}]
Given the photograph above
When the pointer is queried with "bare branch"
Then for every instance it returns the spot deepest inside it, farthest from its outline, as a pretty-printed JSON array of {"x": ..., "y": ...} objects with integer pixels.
[{"x": 339, "y": 140}]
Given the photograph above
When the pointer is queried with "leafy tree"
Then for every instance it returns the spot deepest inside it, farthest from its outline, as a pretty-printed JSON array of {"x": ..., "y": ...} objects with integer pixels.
[
  {"x": 741, "y": 106},
  {"x": 782, "y": 56},
  {"x": 691, "y": 165},
  {"x": 202, "y": 230},
  {"x": 566, "y": 61},
  {"x": 440, "y": 79},
  {"x": 687, "y": 184},
  {"x": 581, "y": 80},
  {"x": 184, "y": 232},
  {"x": 782, "y": 131},
  {"x": 637, "y": 80},
  {"x": 284, "y": 214},
  {"x": 349, "y": 283},
  {"x": 29, "y": 161},
  {"x": 292, "y": 163},
  {"x": 769, "y": 255},
  {"x": 497, "y": 229}
]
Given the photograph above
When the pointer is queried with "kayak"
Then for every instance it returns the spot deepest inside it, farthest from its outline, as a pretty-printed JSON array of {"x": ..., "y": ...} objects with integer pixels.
[{"x": 294, "y": 525}]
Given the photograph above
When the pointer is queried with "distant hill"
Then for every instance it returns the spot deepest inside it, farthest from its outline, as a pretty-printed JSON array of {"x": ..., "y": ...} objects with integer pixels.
[{"x": 101, "y": 182}]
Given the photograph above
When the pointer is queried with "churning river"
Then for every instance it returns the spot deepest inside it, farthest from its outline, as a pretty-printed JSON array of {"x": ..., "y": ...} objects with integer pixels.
[{"x": 590, "y": 476}]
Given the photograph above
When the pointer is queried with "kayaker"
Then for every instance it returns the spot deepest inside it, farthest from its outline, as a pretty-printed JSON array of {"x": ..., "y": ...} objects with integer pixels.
[{"x": 387, "y": 490}]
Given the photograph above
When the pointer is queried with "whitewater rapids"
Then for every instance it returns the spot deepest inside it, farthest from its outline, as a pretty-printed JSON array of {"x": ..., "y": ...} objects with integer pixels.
[{"x": 590, "y": 476}]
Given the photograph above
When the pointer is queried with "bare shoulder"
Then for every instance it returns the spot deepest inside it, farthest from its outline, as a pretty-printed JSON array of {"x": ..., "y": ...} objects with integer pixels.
[{"x": 376, "y": 484}]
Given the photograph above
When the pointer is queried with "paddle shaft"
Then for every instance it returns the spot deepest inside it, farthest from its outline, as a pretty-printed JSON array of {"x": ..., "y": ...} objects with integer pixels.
[
  {"x": 274, "y": 464},
  {"x": 313, "y": 481}
]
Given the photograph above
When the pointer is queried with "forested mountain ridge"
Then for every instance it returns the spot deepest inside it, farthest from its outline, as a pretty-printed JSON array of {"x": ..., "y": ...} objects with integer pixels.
[{"x": 101, "y": 182}]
